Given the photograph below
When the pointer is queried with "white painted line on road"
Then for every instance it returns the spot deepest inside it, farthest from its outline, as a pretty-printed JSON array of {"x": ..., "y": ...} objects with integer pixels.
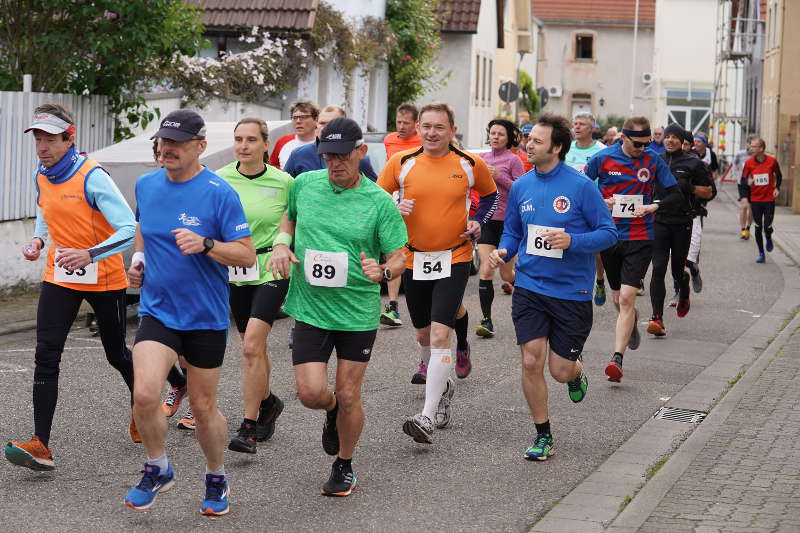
[
  {"x": 67, "y": 348},
  {"x": 70, "y": 337}
]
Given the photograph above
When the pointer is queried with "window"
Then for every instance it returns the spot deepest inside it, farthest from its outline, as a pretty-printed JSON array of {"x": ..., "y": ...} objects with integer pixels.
[
  {"x": 488, "y": 79},
  {"x": 584, "y": 47},
  {"x": 477, "y": 79}
]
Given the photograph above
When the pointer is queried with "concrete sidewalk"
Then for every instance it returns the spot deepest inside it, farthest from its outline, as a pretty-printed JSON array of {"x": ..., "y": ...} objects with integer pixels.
[{"x": 737, "y": 470}]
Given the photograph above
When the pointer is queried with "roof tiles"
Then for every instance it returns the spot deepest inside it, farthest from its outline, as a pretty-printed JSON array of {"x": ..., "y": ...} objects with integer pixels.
[
  {"x": 297, "y": 15},
  {"x": 595, "y": 11},
  {"x": 460, "y": 16}
]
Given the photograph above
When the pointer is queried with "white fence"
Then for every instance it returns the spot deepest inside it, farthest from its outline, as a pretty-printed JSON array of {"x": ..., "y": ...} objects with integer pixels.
[{"x": 18, "y": 159}]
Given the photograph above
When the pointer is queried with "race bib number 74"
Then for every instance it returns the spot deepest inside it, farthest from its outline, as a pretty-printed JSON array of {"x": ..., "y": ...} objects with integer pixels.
[{"x": 626, "y": 204}]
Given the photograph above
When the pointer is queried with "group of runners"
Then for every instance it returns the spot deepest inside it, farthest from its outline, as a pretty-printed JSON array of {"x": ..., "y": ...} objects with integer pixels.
[{"x": 554, "y": 210}]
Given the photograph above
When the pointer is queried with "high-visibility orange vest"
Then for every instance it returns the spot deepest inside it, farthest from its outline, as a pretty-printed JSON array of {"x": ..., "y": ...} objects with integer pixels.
[{"x": 73, "y": 223}]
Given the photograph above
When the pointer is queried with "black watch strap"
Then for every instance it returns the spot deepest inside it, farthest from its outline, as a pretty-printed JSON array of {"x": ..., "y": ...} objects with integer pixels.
[{"x": 208, "y": 244}]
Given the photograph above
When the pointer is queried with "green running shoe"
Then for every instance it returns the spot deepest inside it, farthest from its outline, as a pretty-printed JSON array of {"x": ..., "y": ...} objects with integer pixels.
[
  {"x": 577, "y": 387},
  {"x": 391, "y": 317},
  {"x": 599, "y": 293},
  {"x": 541, "y": 449}
]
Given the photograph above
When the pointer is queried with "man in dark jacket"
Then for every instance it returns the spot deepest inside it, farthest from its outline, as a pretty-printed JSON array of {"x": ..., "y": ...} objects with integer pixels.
[{"x": 673, "y": 226}]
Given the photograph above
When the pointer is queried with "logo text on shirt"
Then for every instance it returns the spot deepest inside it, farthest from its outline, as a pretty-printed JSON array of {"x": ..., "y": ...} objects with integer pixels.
[{"x": 188, "y": 220}]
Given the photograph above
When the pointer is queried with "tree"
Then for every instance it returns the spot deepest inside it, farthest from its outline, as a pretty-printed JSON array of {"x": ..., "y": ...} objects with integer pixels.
[
  {"x": 528, "y": 96},
  {"x": 118, "y": 48},
  {"x": 415, "y": 24}
]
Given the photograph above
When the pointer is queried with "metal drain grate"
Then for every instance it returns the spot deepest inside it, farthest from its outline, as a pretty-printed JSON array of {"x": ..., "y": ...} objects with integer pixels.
[{"x": 687, "y": 416}]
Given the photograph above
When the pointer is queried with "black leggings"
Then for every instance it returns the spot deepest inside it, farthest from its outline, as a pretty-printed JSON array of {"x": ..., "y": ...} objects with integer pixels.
[
  {"x": 763, "y": 213},
  {"x": 58, "y": 308},
  {"x": 673, "y": 238}
]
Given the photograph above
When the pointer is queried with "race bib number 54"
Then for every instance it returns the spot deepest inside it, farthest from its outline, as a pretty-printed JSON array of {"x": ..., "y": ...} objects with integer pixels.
[
  {"x": 432, "y": 265},
  {"x": 325, "y": 269},
  {"x": 626, "y": 204},
  {"x": 538, "y": 246}
]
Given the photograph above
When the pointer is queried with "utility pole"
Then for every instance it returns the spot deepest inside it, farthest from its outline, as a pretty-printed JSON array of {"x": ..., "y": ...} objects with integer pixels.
[{"x": 633, "y": 62}]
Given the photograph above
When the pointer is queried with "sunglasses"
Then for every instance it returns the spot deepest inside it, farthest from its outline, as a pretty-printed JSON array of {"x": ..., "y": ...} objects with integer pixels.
[
  {"x": 637, "y": 144},
  {"x": 336, "y": 157}
]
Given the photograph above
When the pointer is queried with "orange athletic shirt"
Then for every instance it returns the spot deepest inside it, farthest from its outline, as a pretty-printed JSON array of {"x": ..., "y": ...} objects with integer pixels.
[
  {"x": 394, "y": 143},
  {"x": 523, "y": 156},
  {"x": 73, "y": 223},
  {"x": 440, "y": 187}
]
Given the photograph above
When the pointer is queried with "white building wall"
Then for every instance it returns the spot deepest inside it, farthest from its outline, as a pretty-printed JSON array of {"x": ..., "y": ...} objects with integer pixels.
[
  {"x": 18, "y": 271},
  {"x": 456, "y": 51}
]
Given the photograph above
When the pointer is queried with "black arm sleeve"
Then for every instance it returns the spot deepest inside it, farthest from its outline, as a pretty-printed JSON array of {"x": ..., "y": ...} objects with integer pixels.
[
  {"x": 673, "y": 198},
  {"x": 778, "y": 176},
  {"x": 486, "y": 208}
]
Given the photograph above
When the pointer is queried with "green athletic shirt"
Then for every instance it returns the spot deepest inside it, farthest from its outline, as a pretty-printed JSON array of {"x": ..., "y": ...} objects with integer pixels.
[
  {"x": 578, "y": 157},
  {"x": 358, "y": 220},
  {"x": 264, "y": 200}
]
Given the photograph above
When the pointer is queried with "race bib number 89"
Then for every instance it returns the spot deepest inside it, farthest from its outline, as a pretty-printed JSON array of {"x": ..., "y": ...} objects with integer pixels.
[
  {"x": 626, "y": 204},
  {"x": 325, "y": 269},
  {"x": 538, "y": 246},
  {"x": 432, "y": 265}
]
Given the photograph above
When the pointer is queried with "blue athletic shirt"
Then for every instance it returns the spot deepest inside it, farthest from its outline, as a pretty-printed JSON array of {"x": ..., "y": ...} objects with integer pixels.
[
  {"x": 619, "y": 174},
  {"x": 186, "y": 292},
  {"x": 561, "y": 198}
]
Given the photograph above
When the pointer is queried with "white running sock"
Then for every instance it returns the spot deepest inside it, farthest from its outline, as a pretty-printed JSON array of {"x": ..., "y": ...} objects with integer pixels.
[
  {"x": 438, "y": 371},
  {"x": 425, "y": 354},
  {"x": 160, "y": 462},
  {"x": 220, "y": 472}
]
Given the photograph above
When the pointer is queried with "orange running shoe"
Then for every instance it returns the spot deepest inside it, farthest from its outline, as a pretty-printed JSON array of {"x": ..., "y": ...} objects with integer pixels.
[
  {"x": 133, "y": 432},
  {"x": 187, "y": 422},
  {"x": 656, "y": 326},
  {"x": 32, "y": 454},
  {"x": 173, "y": 400}
]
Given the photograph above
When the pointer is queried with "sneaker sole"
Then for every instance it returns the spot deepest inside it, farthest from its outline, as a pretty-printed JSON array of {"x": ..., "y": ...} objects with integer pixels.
[
  {"x": 416, "y": 432},
  {"x": 614, "y": 373},
  {"x": 418, "y": 379},
  {"x": 461, "y": 374},
  {"x": 387, "y": 321},
  {"x": 186, "y": 426},
  {"x": 484, "y": 332},
  {"x": 165, "y": 488},
  {"x": 655, "y": 330},
  {"x": 538, "y": 457},
  {"x": 236, "y": 445},
  {"x": 449, "y": 392},
  {"x": 340, "y": 494},
  {"x": 211, "y": 512},
  {"x": 635, "y": 338},
  {"x": 261, "y": 437},
  {"x": 583, "y": 393},
  {"x": 331, "y": 447},
  {"x": 682, "y": 311},
  {"x": 20, "y": 457}
]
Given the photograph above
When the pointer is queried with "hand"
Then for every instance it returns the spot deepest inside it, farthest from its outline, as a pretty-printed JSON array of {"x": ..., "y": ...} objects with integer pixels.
[
  {"x": 558, "y": 239},
  {"x": 643, "y": 210},
  {"x": 188, "y": 241},
  {"x": 72, "y": 259},
  {"x": 136, "y": 275},
  {"x": 371, "y": 269},
  {"x": 610, "y": 202},
  {"x": 32, "y": 249},
  {"x": 775, "y": 193},
  {"x": 406, "y": 206},
  {"x": 473, "y": 230},
  {"x": 492, "y": 171},
  {"x": 280, "y": 261},
  {"x": 750, "y": 181},
  {"x": 496, "y": 257}
]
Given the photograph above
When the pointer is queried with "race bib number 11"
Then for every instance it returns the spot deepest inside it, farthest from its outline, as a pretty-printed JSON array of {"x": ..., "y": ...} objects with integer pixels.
[
  {"x": 626, "y": 204},
  {"x": 250, "y": 273},
  {"x": 325, "y": 269}
]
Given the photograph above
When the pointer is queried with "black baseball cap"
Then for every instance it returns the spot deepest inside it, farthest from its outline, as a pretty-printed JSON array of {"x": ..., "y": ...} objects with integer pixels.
[
  {"x": 340, "y": 136},
  {"x": 181, "y": 125}
]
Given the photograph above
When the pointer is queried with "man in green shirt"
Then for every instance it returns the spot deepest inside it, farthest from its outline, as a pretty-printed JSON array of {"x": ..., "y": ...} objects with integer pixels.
[{"x": 341, "y": 224}]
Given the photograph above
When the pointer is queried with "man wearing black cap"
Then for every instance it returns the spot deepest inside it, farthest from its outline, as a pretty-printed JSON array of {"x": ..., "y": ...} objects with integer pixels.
[
  {"x": 88, "y": 223},
  {"x": 341, "y": 224},
  {"x": 673, "y": 226},
  {"x": 191, "y": 225}
]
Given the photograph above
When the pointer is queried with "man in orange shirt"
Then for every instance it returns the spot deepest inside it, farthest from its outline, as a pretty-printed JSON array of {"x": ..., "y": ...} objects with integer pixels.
[
  {"x": 405, "y": 138},
  {"x": 434, "y": 183}
]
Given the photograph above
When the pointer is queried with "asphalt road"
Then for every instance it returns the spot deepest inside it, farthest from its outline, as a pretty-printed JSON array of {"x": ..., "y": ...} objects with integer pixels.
[{"x": 473, "y": 477}]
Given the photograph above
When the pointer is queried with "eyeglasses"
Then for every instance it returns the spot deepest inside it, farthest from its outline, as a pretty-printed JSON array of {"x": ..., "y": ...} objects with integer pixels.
[
  {"x": 300, "y": 118},
  {"x": 637, "y": 144},
  {"x": 336, "y": 157}
]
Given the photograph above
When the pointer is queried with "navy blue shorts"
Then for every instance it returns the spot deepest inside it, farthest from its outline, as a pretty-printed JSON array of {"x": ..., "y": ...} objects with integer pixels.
[{"x": 565, "y": 323}]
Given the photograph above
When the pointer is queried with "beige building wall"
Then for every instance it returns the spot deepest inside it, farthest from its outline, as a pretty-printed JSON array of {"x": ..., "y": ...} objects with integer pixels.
[{"x": 606, "y": 77}]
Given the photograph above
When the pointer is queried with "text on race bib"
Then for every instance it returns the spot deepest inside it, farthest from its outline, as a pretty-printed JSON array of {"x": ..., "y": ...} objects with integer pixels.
[
  {"x": 237, "y": 273},
  {"x": 536, "y": 244},
  {"x": 432, "y": 265},
  {"x": 86, "y": 275},
  {"x": 326, "y": 269},
  {"x": 760, "y": 179},
  {"x": 626, "y": 204}
]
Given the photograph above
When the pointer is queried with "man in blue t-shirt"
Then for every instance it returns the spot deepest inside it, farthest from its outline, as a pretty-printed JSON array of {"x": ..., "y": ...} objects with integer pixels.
[
  {"x": 191, "y": 224},
  {"x": 627, "y": 174},
  {"x": 556, "y": 221}
]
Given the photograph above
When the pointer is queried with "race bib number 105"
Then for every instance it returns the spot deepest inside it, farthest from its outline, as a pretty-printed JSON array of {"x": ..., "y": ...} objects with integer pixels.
[
  {"x": 325, "y": 269},
  {"x": 626, "y": 204},
  {"x": 760, "y": 179}
]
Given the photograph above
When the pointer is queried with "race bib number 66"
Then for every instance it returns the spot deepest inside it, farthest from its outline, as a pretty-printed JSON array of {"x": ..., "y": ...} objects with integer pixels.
[
  {"x": 325, "y": 269},
  {"x": 538, "y": 246}
]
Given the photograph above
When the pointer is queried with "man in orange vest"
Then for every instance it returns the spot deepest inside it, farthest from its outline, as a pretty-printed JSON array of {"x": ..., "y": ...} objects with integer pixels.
[{"x": 89, "y": 224}]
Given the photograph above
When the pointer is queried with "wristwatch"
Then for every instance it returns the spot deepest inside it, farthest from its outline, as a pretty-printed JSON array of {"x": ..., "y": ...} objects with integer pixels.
[
  {"x": 208, "y": 244},
  {"x": 387, "y": 274}
]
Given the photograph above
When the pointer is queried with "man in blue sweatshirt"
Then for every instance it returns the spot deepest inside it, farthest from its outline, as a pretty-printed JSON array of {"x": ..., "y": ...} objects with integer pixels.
[{"x": 556, "y": 221}]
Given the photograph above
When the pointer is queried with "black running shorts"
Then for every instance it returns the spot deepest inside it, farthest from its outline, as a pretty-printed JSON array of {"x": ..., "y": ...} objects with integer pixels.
[
  {"x": 436, "y": 300},
  {"x": 203, "y": 348},
  {"x": 491, "y": 233},
  {"x": 315, "y": 345},
  {"x": 257, "y": 301},
  {"x": 565, "y": 323},
  {"x": 626, "y": 263}
]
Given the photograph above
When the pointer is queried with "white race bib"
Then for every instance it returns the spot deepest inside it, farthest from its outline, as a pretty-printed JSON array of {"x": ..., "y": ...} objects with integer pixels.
[
  {"x": 760, "y": 179},
  {"x": 237, "y": 273},
  {"x": 86, "y": 275},
  {"x": 326, "y": 269},
  {"x": 538, "y": 246},
  {"x": 432, "y": 265},
  {"x": 626, "y": 204}
]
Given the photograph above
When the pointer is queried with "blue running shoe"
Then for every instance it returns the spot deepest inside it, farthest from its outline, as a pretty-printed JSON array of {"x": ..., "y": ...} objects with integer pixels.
[
  {"x": 216, "y": 501},
  {"x": 599, "y": 292},
  {"x": 761, "y": 258},
  {"x": 541, "y": 449},
  {"x": 143, "y": 495}
]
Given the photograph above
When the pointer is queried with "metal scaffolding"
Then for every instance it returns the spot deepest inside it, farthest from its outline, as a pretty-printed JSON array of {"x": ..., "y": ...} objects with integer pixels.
[{"x": 736, "y": 102}]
